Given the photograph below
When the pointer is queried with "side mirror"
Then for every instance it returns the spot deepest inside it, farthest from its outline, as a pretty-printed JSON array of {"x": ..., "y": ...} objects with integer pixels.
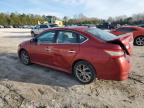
[{"x": 34, "y": 40}]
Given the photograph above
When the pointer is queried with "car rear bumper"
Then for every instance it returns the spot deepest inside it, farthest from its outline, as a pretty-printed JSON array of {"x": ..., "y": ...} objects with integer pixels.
[{"x": 116, "y": 69}]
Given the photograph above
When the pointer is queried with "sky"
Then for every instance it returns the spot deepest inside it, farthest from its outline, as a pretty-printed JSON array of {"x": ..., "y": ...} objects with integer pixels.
[{"x": 60, "y": 8}]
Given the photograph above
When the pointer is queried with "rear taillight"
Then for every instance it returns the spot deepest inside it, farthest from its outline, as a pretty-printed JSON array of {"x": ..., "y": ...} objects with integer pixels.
[{"x": 115, "y": 53}]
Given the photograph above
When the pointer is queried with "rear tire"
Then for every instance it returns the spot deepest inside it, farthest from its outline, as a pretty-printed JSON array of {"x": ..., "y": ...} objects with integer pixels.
[
  {"x": 84, "y": 72},
  {"x": 24, "y": 57},
  {"x": 139, "y": 41}
]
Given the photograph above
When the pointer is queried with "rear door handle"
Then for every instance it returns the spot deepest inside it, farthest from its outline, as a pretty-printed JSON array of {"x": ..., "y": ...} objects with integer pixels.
[{"x": 48, "y": 49}]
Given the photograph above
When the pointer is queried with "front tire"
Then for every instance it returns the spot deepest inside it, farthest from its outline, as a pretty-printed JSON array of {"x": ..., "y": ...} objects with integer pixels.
[
  {"x": 84, "y": 72},
  {"x": 24, "y": 57},
  {"x": 139, "y": 41}
]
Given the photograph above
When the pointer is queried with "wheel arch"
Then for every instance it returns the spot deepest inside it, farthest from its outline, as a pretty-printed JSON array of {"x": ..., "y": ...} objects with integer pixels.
[
  {"x": 138, "y": 36},
  {"x": 22, "y": 49}
]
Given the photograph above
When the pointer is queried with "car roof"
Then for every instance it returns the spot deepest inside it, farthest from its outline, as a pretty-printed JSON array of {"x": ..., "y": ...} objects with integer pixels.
[{"x": 78, "y": 28}]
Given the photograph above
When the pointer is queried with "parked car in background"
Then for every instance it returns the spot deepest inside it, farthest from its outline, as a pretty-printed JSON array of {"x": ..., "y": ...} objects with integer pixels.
[
  {"x": 87, "y": 53},
  {"x": 87, "y": 25},
  {"x": 8, "y": 26},
  {"x": 138, "y": 33},
  {"x": 106, "y": 26},
  {"x": 27, "y": 26},
  {"x": 141, "y": 25},
  {"x": 40, "y": 28},
  {"x": 1, "y": 26}
]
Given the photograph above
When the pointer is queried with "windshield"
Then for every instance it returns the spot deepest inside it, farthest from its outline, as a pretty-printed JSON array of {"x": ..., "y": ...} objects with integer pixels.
[{"x": 101, "y": 34}]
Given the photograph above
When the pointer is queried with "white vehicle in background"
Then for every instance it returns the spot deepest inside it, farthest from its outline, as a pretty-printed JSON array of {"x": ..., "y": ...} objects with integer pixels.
[
  {"x": 40, "y": 28},
  {"x": 1, "y": 26}
]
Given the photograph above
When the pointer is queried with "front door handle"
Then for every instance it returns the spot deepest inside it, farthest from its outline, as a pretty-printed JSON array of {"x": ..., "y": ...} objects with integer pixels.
[{"x": 72, "y": 51}]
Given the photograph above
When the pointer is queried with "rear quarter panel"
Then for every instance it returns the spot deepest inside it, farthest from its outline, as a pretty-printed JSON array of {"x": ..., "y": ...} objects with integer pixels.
[
  {"x": 93, "y": 53},
  {"x": 138, "y": 33}
]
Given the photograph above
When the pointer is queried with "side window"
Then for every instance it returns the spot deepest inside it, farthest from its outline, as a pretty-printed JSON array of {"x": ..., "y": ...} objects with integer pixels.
[
  {"x": 82, "y": 38},
  {"x": 132, "y": 29},
  {"x": 67, "y": 37},
  {"x": 37, "y": 27},
  {"x": 43, "y": 26},
  {"x": 47, "y": 37}
]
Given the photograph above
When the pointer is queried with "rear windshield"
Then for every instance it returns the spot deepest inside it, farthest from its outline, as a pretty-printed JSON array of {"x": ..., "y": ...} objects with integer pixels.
[{"x": 101, "y": 34}]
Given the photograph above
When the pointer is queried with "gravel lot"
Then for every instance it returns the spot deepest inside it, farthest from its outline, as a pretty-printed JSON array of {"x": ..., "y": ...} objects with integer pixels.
[{"x": 39, "y": 87}]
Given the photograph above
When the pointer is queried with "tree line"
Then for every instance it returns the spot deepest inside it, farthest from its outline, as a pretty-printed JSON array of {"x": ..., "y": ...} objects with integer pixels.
[
  {"x": 130, "y": 20},
  {"x": 122, "y": 20},
  {"x": 19, "y": 19},
  {"x": 81, "y": 20},
  {"x": 31, "y": 19}
]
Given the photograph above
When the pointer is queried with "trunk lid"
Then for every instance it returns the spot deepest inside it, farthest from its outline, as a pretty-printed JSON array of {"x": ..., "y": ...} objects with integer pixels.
[{"x": 125, "y": 41}]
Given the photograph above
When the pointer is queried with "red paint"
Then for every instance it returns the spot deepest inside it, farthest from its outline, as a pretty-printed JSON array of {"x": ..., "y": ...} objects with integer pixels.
[{"x": 93, "y": 51}]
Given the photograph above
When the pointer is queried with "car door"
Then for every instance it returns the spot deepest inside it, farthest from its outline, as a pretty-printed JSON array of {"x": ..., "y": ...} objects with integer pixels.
[
  {"x": 41, "y": 50},
  {"x": 65, "y": 50}
]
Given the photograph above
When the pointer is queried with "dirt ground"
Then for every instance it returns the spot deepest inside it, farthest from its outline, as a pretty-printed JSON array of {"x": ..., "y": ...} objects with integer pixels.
[{"x": 39, "y": 87}]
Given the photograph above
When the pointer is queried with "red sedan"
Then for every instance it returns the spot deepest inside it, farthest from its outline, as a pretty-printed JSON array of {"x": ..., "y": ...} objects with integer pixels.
[
  {"x": 138, "y": 33},
  {"x": 87, "y": 53}
]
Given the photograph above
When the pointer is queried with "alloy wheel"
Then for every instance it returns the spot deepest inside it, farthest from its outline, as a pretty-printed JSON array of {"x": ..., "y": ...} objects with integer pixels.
[
  {"x": 24, "y": 57},
  {"x": 84, "y": 72},
  {"x": 139, "y": 41}
]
